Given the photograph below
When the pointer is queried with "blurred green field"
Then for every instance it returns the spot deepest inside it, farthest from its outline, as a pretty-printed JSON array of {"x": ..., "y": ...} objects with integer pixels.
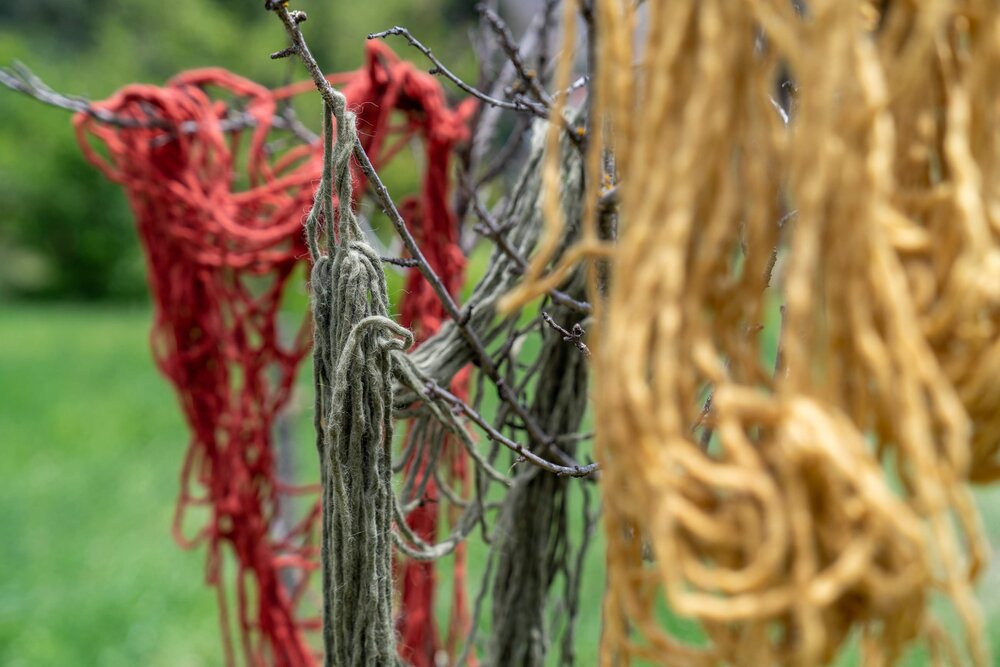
[{"x": 92, "y": 442}]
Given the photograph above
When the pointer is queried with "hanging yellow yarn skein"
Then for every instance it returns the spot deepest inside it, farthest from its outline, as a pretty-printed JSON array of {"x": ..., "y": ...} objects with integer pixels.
[{"x": 828, "y": 495}]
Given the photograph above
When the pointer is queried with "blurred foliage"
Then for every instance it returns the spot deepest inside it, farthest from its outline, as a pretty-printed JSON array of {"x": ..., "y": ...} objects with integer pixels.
[{"x": 67, "y": 233}]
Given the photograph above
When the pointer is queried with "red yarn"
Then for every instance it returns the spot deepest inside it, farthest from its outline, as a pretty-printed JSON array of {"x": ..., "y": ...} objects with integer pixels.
[{"x": 221, "y": 249}]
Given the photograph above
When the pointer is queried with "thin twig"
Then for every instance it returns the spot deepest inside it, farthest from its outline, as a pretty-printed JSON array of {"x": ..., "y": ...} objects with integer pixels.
[
  {"x": 575, "y": 336},
  {"x": 291, "y": 122},
  {"x": 435, "y": 391},
  {"x": 405, "y": 262},
  {"x": 19, "y": 78},
  {"x": 518, "y": 104},
  {"x": 544, "y": 60},
  {"x": 528, "y": 77},
  {"x": 488, "y": 117}
]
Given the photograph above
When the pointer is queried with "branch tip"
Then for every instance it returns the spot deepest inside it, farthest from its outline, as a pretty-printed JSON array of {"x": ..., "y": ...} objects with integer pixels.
[{"x": 284, "y": 53}]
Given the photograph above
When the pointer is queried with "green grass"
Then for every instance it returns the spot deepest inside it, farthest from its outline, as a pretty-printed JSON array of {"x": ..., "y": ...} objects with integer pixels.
[{"x": 92, "y": 440}]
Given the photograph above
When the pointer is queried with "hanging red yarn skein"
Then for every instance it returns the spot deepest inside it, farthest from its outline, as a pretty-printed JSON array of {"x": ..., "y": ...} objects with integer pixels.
[{"x": 221, "y": 250}]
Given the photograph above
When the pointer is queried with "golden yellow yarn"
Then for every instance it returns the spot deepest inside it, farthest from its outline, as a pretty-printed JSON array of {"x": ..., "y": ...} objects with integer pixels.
[{"x": 829, "y": 495}]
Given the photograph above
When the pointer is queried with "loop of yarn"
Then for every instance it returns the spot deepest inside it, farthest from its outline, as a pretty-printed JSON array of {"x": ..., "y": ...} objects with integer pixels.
[{"x": 220, "y": 261}]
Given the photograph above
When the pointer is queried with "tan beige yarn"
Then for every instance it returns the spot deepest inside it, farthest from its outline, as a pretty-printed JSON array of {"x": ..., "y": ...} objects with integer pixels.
[
  {"x": 828, "y": 496},
  {"x": 944, "y": 102}
]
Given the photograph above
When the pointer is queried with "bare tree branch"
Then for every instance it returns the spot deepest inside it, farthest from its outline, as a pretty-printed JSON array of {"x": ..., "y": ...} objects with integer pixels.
[
  {"x": 291, "y": 21},
  {"x": 518, "y": 104},
  {"x": 19, "y": 78},
  {"x": 528, "y": 77},
  {"x": 575, "y": 336},
  {"x": 460, "y": 406}
]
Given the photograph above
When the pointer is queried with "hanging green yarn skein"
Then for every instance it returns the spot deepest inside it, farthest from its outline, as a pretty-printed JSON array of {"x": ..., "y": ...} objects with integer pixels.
[
  {"x": 354, "y": 339},
  {"x": 532, "y": 541}
]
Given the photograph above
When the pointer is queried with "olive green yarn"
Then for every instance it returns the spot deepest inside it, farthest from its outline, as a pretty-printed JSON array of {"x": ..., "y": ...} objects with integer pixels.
[
  {"x": 532, "y": 540},
  {"x": 353, "y": 343}
]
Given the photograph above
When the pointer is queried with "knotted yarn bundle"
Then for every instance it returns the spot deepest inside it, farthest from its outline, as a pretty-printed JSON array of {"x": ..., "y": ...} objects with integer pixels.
[{"x": 222, "y": 248}]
